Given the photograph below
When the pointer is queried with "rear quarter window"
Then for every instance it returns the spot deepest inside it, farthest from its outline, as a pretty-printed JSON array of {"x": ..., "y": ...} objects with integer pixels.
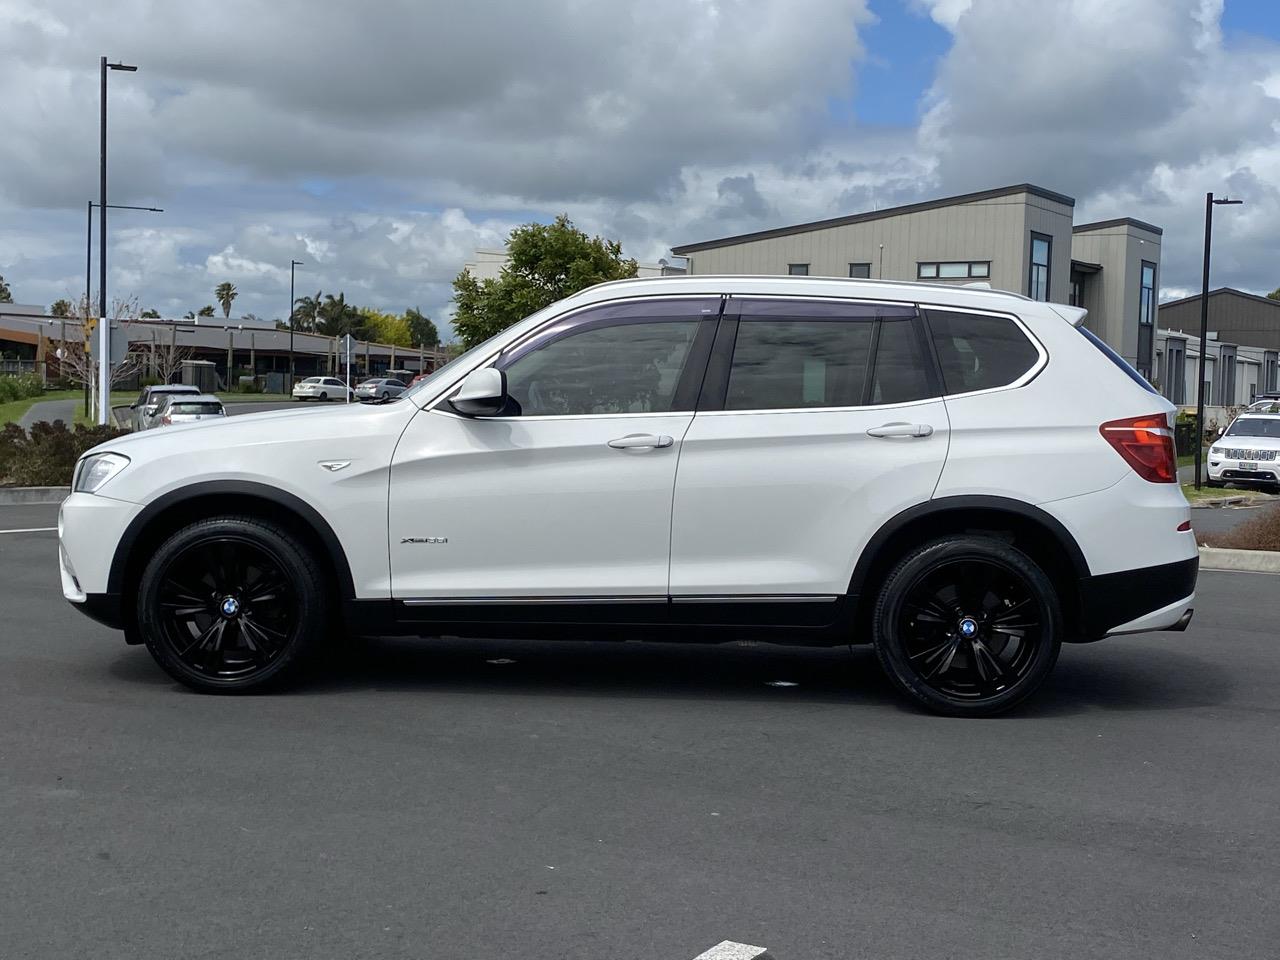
[{"x": 980, "y": 351}]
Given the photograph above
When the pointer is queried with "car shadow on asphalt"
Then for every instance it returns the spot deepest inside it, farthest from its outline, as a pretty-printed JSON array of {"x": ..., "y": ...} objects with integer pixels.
[{"x": 1105, "y": 676}]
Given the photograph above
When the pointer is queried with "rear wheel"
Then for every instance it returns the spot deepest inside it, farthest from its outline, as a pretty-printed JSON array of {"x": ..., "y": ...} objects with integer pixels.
[
  {"x": 967, "y": 626},
  {"x": 323, "y": 395},
  {"x": 231, "y": 604}
]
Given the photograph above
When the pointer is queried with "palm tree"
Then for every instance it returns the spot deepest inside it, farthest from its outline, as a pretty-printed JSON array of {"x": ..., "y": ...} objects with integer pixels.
[
  {"x": 334, "y": 315},
  {"x": 306, "y": 310},
  {"x": 224, "y": 293}
]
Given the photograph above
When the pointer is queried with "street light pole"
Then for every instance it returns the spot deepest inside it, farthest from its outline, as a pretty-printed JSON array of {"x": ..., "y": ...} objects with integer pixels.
[
  {"x": 104, "y": 325},
  {"x": 1209, "y": 203},
  {"x": 292, "y": 265}
]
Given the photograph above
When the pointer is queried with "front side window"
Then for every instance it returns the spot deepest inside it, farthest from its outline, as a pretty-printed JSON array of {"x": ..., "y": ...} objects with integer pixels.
[
  {"x": 798, "y": 269},
  {"x": 609, "y": 364},
  {"x": 1038, "y": 280},
  {"x": 979, "y": 352}
]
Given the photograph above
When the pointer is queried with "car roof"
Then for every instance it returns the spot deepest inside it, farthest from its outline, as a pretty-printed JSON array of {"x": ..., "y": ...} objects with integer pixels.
[
  {"x": 195, "y": 398},
  {"x": 173, "y": 388}
]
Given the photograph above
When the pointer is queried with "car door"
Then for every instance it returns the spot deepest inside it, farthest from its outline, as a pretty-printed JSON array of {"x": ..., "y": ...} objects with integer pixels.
[
  {"x": 567, "y": 495},
  {"x": 819, "y": 421}
]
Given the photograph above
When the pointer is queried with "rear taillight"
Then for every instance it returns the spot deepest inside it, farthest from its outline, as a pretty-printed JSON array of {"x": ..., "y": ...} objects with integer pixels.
[{"x": 1146, "y": 443}]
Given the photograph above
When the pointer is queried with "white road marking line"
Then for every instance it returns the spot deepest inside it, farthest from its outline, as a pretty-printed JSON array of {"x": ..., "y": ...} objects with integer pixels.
[
  {"x": 32, "y": 530},
  {"x": 728, "y": 950}
]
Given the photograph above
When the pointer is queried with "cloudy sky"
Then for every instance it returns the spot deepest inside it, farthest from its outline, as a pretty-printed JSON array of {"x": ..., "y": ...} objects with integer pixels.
[{"x": 381, "y": 142}]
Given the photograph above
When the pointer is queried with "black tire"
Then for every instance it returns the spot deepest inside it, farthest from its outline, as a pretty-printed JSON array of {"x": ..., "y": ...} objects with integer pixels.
[
  {"x": 232, "y": 604},
  {"x": 386, "y": 395},
  {"x": 323, "y": 396},
  {"x": 967, "y": 626}
]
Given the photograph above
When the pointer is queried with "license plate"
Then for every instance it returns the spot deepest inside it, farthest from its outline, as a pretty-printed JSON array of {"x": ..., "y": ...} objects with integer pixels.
[{"x": 1248, "y": 466}]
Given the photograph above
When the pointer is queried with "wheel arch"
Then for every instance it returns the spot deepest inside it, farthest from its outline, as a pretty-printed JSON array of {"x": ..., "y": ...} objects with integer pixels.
[
  {"x": 1034, "y": 531},
  {"x": 178, "y": 507}
]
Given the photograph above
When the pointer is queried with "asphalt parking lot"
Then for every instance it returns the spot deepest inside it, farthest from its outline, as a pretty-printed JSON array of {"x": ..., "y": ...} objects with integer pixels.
[{"x": 463, "y": 799}]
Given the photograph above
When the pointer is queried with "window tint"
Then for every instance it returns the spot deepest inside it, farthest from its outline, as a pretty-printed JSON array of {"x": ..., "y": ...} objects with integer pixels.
[
  {"x": 901, "y": 368},
  {"x": 979, "y": 352},
  {"x": 783, "y": 364},
  {"x": 627, "y": 367},
  {"x": 202, "y": 408}
]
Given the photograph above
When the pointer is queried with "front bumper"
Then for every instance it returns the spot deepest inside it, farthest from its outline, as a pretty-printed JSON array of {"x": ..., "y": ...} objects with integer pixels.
[
  {"x": 1227, "y": 471},
  {"x": 1137, "y": 601},
  {"x": 89, "y": 531}
]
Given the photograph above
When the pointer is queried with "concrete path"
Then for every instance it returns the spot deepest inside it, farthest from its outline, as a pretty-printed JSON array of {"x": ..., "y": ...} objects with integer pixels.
[{"x": 49, "y": 410}]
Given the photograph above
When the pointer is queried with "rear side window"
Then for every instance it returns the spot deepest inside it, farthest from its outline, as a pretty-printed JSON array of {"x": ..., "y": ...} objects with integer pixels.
[
  {"x": 979, "y": 352},
  {"x": 803, "y": 354},
  {"x": 784, "y": 364}
]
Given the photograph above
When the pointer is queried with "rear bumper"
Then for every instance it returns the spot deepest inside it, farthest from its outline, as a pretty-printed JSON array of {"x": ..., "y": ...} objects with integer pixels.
[{"x": 1135, "y": 601}]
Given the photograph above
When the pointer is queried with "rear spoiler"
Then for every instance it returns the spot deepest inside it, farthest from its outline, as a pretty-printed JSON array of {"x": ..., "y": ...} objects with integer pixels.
[{"x": 1073, "y": 315}]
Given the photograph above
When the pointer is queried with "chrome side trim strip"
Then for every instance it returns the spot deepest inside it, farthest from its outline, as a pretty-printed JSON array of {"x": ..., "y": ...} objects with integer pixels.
[
  {"x": 508, "y": 601},
  {"x": 759, "y": 598}
]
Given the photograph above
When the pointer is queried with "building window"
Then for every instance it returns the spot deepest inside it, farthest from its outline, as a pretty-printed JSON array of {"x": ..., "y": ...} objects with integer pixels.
[
  {"x": 797, "y": 269},
  {"x": 860, "y": 271},
  {"x": 1038, "y": 278},
  {"x": 1076, "y": 296},
  {"x": 1269, "y": 371},
  {"x": 952, "y": 269},
  {"x": 1146, "y": 316}
]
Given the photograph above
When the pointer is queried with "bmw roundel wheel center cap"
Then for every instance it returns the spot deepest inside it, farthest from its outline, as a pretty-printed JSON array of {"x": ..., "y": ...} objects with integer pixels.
[
  {"x": 968, "y": 628},
  {"x": 229, "y": 607}
]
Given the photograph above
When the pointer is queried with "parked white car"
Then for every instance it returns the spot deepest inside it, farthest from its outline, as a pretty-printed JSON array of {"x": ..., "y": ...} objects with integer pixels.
[
  {"x": 142, "y": 410},
  {"x": 178, "y": 408},
  {"x": 1248, "y": 452},
  {"x": 804, "y": 460},
  {"x": 380, "y": 388},
  {"x": 320, "y": 388}
]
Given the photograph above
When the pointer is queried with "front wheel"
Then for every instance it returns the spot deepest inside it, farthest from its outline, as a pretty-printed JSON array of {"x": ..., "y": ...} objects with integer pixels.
[
  {"x": 967, "y": 626},
  {"x": 232, "y": 604}
]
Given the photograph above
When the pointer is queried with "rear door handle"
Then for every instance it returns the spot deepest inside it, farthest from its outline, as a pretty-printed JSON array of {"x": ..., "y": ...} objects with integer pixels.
[
  {"x": 901, "y": 430},
  {"x": 641, "y": 441}
]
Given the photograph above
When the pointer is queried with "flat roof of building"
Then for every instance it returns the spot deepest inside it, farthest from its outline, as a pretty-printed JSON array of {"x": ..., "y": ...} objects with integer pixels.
[
  {"x": 1118, "y": 222},
  {"x": 1030, "y": 188}
]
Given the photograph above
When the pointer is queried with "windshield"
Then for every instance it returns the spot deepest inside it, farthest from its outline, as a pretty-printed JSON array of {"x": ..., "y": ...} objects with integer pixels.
[
  {"x": 1255, "y": 427},
  {"x": 200, "y": 408}
]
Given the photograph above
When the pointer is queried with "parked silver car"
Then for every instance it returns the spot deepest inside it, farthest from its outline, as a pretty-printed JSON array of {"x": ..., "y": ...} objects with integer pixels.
[
  {"x": 380, "y": 388},
  {"x": 142, "y": 410},
  {"x": 187, "y": 408}
]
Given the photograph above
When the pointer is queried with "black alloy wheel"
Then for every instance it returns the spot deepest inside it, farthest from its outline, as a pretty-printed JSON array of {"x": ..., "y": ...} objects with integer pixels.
[
  {"x": 323, "y": 396},
  {"x": 968, "y": 626},
  {"x": 231, "y": 604}
]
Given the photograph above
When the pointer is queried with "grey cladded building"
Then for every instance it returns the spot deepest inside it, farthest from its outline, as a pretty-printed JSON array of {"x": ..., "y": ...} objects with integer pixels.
[{"x": 1021, "y": 238}]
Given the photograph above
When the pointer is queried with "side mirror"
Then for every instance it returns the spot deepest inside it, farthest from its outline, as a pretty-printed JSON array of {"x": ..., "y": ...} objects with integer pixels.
[{"x": 483, "y": 393}]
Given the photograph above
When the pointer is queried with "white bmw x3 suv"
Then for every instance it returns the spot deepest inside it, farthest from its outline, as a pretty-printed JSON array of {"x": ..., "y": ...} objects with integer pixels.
[{"x": 963, "y": 478}]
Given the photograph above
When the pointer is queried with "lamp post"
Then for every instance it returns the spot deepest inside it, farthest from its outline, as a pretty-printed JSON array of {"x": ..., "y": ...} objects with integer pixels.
[
  {"x": 1209, "y": 203},
  {"x": 104, "y": 325},
  {"x": 88, "y": 266},
  {"x": 292, "y": 265}
]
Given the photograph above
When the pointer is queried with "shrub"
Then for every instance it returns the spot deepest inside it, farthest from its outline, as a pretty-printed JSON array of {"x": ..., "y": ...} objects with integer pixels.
[
  {"x": 1259, "y": 533},
  {"x": 20, "y": 387},
  {"x": 47, "y": 456}
]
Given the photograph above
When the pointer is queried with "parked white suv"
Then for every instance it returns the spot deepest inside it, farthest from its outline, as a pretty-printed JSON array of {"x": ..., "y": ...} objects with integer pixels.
[
  {"x": 1247, "y": 452},
  {"x": 963, "y": 478}
]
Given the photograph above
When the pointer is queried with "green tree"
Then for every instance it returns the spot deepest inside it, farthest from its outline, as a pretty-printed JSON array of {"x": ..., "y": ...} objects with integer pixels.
[
  {"x": 205, "y": 311},
  {"x": 224, "y": 293},
  {"x": 306, "y": 313},
  {"x": 61, "y": 308},
  {"x": 1274, "y": 294},
  {"x": 150, "y": 314},
  {"x": 189, "y": 315},
  {"x": 337, "y": 318},
  {"x": 383, "y": 327},
  {"x": 422, "y": 332},
  {"x": 546, "y": 263},
  {"x": 6, "y": 295}
]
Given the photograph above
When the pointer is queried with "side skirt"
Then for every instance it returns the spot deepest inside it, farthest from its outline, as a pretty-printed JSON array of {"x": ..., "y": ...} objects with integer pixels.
[{"x": 799, "y": 619}]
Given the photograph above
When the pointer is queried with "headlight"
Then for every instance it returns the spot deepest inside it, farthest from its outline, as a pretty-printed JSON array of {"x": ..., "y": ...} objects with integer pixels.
[{"x": 96, "y": 470}]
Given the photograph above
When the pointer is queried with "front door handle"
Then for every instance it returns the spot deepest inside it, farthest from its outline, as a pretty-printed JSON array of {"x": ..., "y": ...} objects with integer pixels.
[
  {"x": 901, "y": 430},
  {"x": 641, "y": 441}
]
